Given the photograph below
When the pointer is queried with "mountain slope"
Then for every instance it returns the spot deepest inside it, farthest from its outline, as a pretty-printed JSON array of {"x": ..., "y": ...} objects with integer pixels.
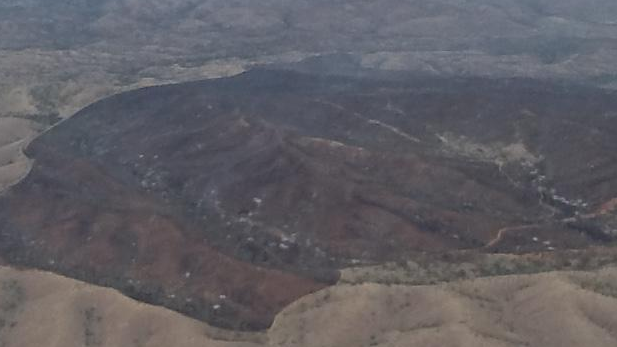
[
  {"x": 228, "y": 199},
  {"x": 556, "y": 309}
]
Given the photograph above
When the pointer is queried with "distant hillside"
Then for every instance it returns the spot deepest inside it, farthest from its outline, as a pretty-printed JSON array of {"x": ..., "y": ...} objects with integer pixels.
[{"x": 59, "y": 56}]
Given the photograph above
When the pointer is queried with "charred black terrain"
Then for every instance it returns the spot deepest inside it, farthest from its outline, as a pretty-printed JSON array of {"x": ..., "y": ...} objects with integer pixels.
[{"x": 228, "y": 199}]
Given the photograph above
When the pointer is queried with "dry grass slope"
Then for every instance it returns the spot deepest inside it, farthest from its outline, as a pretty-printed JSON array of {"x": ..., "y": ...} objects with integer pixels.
[
  {"x": 555, "y": 309},
  {"x": 15, "y": 133},
  {"x": 41, "y": 309}
]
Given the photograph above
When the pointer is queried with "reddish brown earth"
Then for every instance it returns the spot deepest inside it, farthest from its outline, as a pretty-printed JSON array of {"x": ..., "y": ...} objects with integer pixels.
[
  {"x": 228, "y": 199},
  {"x": 114, "y": 235}
]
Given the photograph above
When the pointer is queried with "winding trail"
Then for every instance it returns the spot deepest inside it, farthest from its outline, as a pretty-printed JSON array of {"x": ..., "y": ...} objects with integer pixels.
[
  {"x": 371, "y": 121},
  {"x": 606, "y": 208},
  {"x": 501, "y": 233}
]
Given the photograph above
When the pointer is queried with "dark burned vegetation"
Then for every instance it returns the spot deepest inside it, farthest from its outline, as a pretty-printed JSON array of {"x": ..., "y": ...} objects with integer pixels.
[
  {"x": 228, "y": 199},
  {"x": 12, "y": 296}
]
